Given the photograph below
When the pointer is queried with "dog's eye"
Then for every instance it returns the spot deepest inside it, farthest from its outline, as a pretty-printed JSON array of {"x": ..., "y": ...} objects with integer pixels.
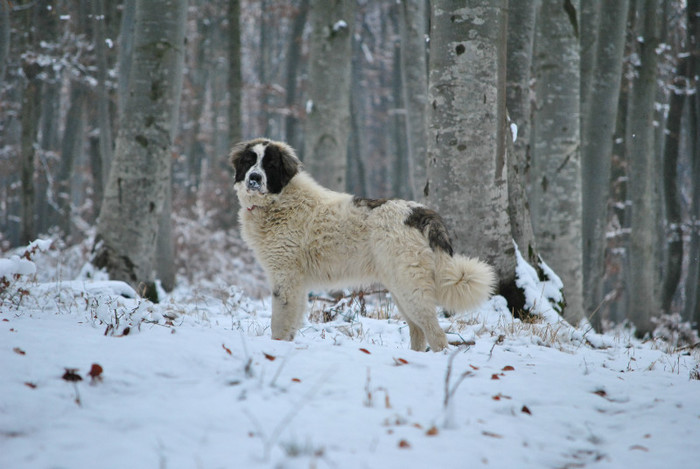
[{"x": 248, "y": 158}]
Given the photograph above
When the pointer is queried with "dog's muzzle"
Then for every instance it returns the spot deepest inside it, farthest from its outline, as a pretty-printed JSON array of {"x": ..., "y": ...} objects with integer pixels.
[{"x": 254, "y": 182}]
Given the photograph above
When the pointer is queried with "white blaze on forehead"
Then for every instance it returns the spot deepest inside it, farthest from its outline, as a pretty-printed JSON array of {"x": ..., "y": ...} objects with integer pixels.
[{"x": 259, "y": 150}]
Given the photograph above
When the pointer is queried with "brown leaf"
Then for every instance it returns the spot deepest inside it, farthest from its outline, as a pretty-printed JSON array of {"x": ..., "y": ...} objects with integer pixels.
[
  {"x": 492, "y": 435},
  {"x": 30, "y": 385},
  {"x": 228, "y": 350},
  {"x": 19, "y": 351},
  {"x": 508, "y": 368},
  {"x": 400, "y": 361},
  {"x": 72, "y": 375},
  {"x": 525, "y": 410},
  {"x": 432, "y": 431},
  {"x": 269, "y": 357},
  {"x": 404, "y": 444},
  {"x": 95, "y": 372},
  {"x": 494, "y": 376},
  {"x": 474, "y": 367},
  {"x": 296, "y": 380},
  {"x": 601, "y": 393},
  {"x": 365, "y": 351}
]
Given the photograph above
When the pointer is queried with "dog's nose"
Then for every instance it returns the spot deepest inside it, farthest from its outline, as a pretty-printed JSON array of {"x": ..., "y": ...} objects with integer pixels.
[{"x": 254, "y": 181}]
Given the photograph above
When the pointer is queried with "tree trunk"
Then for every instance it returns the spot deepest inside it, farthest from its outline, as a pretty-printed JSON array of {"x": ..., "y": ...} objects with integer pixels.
[
  {"x": 467, "y": 170},
  {"x": 292, "y": 74},
  {"x": 692, "y": 286},
  {"x": 673, "y": 233},
  {"x": 126, "y": 47},
  {"x": 642, "y": 278},
  {"x": 328, "y": 121},
  {"x": 589, "y": 22},
  {"x": 136, "y": 191},
  {"x": 30, "y": 127},
  {"x": 4, "y": 36},
  {"x": 599, "y": 117},
  {"x": 521, "y": 36},
  {"x": 414, "y": 76},
  {"x": 555, "y": 190},
  {"x": 104, "y": 121},
  {"x": 71, "y": 148}
]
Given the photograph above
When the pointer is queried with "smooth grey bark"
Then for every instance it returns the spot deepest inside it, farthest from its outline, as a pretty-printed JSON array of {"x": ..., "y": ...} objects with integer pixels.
[
  {"x": 599, "y": 117},
  {"x": 292, "y": 74},
  {"x": 4, "y": 36},
  {"x": 71, "y": 148},
  {"x": 235, "y": 80},
  {"x": 521, "y": 37},
  {"x": 589, "y": 21},
  {"x": 692, "y": 285},
  {"x": 642, "y": 276},
  {"x": 104, "y": 121},
  {"x": 327, "y": 124},
  {"x": 28, "y": 144},
  {"x": 555, "y": 189},
  {"x": 414, "y": 77},
  {"x": 136, "y": 191},
  {"x": 126, "y": 47},
  {"x": 672, "y": 202},
  {"x": 466, "y": 168}
]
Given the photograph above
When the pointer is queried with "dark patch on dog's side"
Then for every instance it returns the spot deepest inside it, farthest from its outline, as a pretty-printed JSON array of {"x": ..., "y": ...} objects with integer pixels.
[
  {"x": 423, "y": 219},
  {"x": 369, "y": 203},
  {"x": 279, "y": 166}
]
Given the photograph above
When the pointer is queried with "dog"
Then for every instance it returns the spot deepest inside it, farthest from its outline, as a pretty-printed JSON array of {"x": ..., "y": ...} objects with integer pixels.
[{"x": 306, "y": 236}]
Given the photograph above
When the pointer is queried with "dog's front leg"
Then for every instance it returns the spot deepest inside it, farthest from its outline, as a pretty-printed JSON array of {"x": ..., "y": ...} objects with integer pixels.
[{"x": 288, "y": 305}]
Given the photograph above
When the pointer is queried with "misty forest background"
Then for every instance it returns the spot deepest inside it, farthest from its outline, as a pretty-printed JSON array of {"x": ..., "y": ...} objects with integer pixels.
[{"x": 411, "y": 99}]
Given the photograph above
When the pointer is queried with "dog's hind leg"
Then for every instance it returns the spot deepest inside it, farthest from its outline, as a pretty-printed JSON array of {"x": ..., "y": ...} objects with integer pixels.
[
  {"x": 416, "y": 333},
  {"x": 422, "y": 322},
  {"x": 288, "y": 306}
]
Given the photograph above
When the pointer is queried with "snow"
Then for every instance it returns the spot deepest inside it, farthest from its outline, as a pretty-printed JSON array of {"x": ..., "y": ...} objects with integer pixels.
[
  {"x": 195, "y": 381},
  {"x": 339, "y": 25}
]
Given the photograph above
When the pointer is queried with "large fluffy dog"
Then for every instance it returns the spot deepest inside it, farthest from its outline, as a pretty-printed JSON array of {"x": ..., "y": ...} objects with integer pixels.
[{"x": 305, "y": 236}]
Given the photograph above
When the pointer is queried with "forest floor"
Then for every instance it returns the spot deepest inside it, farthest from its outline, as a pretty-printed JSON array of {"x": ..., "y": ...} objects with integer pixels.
[{"x": 92, "y": 376}]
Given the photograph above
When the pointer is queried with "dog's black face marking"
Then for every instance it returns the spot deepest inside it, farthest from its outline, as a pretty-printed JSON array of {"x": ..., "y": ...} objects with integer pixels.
[
  {"x": 422, "y": 218},
  {"x": 369, "y": 203},
  {"x": 242, "y": 162},
  {"x": 279, "y": 166}
]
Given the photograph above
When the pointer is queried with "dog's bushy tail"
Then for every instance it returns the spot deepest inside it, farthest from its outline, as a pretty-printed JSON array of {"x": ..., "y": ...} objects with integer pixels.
[{"x": 463, "y": 283}]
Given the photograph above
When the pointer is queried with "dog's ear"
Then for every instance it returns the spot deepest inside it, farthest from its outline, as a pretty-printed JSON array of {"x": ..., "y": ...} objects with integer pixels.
[{"x": 281, "y": 165}]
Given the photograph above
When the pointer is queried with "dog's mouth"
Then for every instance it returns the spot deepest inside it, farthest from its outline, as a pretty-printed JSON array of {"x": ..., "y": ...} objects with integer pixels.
[{"x": 254, "y": 186}]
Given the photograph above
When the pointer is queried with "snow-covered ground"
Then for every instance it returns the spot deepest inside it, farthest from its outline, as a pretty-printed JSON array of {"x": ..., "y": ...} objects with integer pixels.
[{"x": 195, "y": 381}]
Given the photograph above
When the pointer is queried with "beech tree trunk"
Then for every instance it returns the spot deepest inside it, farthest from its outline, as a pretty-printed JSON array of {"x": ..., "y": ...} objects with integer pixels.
[
  {"x": 555, "y": 191},
  {"x": 692, "y": 286},
  {"x": 672, "y": 202},
  {"x": 136, "y": 191},
  {"x": 30, "y": 127},
  {"x": 414, "y": 76},
  {"x": 467, "y": 170},
  {"x": 294, "y": 61},
  {"x": 598, "y": 126},
  {"x": 521, "y": 37},
  {"x": 642, "y": 277},
  {"x": 328, "y": 112}
]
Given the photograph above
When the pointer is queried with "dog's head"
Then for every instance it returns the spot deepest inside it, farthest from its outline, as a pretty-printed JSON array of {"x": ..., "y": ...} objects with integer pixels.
[{"x": 262, "y": 167}]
